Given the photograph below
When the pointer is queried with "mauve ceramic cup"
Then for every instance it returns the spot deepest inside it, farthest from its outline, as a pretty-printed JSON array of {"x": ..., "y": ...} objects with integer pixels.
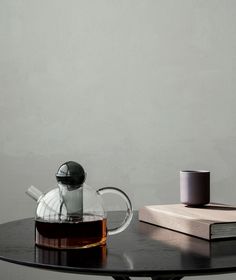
[{"x": 195, "y": 187}]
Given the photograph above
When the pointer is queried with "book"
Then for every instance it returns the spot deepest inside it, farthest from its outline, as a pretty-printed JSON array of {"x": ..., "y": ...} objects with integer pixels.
[
  {"x": 189, "y": 244},
  {"x": 213, "y": 221}
]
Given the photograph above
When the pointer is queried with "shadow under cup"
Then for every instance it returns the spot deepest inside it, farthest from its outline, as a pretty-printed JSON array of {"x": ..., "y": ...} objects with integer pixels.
[{"x": 195, "y": 187}]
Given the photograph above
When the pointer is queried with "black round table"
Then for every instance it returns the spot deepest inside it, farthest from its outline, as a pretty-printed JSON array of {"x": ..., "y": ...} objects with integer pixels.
[{"x": 142, "y": 250}]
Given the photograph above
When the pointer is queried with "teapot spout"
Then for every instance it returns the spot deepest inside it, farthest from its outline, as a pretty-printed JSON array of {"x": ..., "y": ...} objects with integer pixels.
[{"x": 34, "y": 193}]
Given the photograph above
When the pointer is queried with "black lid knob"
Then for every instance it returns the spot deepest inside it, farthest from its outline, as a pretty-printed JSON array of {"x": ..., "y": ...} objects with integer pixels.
[{"x": 71, "y": 173}]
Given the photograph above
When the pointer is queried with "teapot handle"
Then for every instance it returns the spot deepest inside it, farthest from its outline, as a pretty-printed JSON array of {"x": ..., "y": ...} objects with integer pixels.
[{"x": 129, "y": 211}]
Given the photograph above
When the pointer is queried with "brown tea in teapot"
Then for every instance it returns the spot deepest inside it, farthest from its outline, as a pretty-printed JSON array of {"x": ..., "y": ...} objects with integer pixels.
[{"x": 83, "y": 234}]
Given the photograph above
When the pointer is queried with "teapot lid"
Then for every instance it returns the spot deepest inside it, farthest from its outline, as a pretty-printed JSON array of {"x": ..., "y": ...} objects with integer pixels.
[{"x": 71, "y": 173}]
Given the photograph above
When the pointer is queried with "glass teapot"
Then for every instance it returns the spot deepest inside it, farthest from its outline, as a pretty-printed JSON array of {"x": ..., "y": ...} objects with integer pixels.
[{"x": 72, "y": 216}]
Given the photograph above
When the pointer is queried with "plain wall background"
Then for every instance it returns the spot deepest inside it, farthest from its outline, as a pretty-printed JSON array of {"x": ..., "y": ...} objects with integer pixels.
[{"x": 133, "y": 90}]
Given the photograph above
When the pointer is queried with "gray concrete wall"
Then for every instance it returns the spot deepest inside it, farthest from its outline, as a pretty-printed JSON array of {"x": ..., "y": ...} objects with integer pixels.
[{"x": 133, "y": 90}]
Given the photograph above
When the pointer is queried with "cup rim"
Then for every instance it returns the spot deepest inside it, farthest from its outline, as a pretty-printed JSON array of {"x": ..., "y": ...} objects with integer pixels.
[{"x": 194, "y": 171}]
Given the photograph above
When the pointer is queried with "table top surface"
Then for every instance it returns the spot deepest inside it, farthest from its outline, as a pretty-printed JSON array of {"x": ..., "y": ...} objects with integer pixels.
[{"x": 141, "y": 250}]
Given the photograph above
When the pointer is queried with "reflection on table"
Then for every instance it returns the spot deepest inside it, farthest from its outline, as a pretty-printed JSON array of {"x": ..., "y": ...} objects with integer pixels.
[{"x": 74, "y": 258}]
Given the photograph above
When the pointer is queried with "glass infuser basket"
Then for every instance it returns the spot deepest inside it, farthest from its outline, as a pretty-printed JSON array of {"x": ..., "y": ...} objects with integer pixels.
[{"x": 72, "y": 216}]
